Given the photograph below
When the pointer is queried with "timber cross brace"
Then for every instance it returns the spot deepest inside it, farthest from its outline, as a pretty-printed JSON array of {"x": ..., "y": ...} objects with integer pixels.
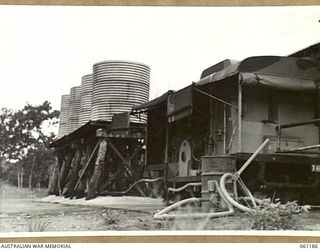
[{"x": 126, "y": 165}]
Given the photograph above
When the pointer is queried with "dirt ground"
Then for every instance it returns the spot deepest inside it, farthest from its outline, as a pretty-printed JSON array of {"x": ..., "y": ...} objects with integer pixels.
[{"x": 21, "y": 211}]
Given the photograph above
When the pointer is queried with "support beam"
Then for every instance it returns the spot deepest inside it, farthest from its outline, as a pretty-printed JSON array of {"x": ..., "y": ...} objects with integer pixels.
[
  {"x": 74, "y": 173},
  {"x": 80, "y": 186},
  {"x": 99, "y": 164},
  {"x": 81, "y": 183},
  {"x": 65, "y": 169},
  {"x": 127, "y": 165}
]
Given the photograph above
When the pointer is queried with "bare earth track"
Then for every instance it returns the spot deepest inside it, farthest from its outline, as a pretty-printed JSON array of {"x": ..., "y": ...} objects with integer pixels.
[{"x": 21, "y": 211}]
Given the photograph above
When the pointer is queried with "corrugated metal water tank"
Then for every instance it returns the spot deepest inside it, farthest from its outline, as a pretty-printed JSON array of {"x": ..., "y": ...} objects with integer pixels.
[
  {"x": 64, "y": 124},
  {"x": 117, "y": 86},
  {"x": 86, "y": 99},
  {"x": 75, "y": 97}
]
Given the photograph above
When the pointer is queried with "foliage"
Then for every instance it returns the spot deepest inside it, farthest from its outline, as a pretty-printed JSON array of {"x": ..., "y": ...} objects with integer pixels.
[
  {"x": 24, "y": 143},
  {"x": 276, "y": 216},
  {"x": 22, "y": 130}
]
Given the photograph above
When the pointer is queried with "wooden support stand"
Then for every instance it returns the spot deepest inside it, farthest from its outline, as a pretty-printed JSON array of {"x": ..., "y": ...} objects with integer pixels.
[
  {"x": 76, "y": 165},
  {"x": 99, "y": 164},
  {"x": 65, "y": 170}
]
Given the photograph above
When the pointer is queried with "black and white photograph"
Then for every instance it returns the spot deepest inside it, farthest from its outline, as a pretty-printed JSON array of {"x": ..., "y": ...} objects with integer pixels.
[{"x": 170, "y": 119}]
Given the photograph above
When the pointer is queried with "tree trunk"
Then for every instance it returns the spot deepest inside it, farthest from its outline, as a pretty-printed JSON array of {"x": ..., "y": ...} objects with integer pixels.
[
  {"x": 21, "y": 177},
  {"x": 99, "y": 164},
  {"x": 31, "y": 172},
  {"x": 18, "y": 176}
]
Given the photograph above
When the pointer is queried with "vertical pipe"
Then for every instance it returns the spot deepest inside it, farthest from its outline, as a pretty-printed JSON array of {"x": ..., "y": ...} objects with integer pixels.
[
  {"x": 146, "y": 143},
  {"x": 279, "y": 137},
  {"x": 239, "y": 112},
  {"x": 318, "y": 105},
  {"x": 211, "y": 123},
  {"x": 224, "y": 127},
  {"x": 277, "y": 103},
  {"x": 166, "y": 163}
]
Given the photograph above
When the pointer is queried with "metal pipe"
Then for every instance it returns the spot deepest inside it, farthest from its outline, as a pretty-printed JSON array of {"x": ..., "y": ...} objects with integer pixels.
[
  {"x": 278, "y": 139},
  {"x": 191, "y": 184},
  {"x": 216, "y": 98},
  {"x": 224, "y": 128},
  {"x": 239, "y": 113},
  {"x": 210, "y": 148},
  {"x": 296, "y": 124},
  {"x": 166, "y": 161},
  {"x": 232, "y": 137},
  {"x": 302, "y": 148},
  {"x": 254, "y": 155}
]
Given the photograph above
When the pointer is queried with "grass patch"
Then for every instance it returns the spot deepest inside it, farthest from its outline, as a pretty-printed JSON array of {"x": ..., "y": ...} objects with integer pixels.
[
  {"x": 37, "y": 225},
  {"x": 8, "y": 191}
]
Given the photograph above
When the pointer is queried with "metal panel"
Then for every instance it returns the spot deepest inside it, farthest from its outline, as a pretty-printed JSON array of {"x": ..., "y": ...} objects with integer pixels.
[{"x": 117, "y": 87}]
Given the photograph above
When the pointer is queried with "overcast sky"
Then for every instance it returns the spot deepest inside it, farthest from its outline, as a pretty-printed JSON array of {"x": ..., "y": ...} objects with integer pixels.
[{"x": 46, "y": 50}]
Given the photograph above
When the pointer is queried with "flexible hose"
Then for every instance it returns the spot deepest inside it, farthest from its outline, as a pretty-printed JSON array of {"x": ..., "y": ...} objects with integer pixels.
[
  {"x": 227, "y": 196},
  {"x": 132, "y": 186},
  {"x": 163, "y": 214},
  {"x": 191, "y": 184}
]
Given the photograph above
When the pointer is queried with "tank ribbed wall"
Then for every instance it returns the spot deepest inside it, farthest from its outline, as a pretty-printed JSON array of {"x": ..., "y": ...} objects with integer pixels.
[
  {"x": 86, "y": 99},
  {"x": 64, "y": 124},
  {"x": 75, "y": 97},
  {"x": 117, "y": 86}
]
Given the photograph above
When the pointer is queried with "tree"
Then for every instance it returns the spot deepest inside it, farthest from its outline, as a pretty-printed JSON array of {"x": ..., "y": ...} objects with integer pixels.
[{"x": 23, "y": 138}]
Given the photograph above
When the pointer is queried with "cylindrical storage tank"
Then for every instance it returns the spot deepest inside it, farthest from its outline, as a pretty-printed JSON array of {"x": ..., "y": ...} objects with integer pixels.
[
  {"x": 75, "y": 97},
  {"x": 86, "y": 99},
  {"x": 64, "y": 123},
  {"x": 117, "y": 86}
]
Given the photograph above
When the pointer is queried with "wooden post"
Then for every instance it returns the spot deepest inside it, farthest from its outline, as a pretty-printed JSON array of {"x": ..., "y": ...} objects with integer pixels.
[
  {"x": 65, "y": 170},
  {"x": 74, "y": 173},
  {"x": 81, "y": 183},
  {"x": 99, "y": 164}
]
